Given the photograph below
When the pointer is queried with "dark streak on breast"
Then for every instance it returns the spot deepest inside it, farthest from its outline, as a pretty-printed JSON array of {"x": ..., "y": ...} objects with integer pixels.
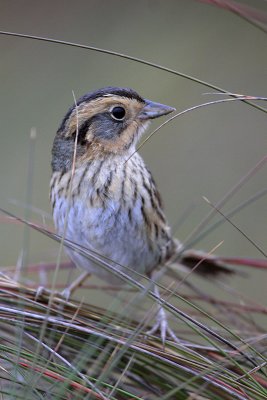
[
  {"x": 130, "y": 216},
  {"x": 107, "y": 184},
  {"x": 82, "y": 177},
  {"x": 146, "y": 219},
  {"x": 54, "y": 203},
  {"x": 123, "y": 184},
  {"x": 97, "y": 171}
]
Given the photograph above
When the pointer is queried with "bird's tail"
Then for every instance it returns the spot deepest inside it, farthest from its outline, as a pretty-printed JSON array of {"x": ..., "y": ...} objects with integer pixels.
[{"x": 203, "y": 263}]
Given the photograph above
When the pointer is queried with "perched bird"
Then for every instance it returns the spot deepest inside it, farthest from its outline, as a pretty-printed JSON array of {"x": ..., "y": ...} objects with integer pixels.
[{"x": 111, "y": 201}]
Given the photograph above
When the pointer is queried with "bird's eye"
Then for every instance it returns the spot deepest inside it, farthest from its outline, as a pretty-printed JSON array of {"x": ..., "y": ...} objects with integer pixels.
[{"x": 118, "y": 113}]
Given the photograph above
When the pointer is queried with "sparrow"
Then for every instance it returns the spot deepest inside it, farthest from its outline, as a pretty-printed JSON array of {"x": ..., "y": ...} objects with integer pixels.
[{"x": 104, "y": 197}]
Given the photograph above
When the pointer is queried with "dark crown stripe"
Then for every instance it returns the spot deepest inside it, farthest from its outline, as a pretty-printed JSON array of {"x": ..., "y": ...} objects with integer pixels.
[{"x": 116, "y": 91}]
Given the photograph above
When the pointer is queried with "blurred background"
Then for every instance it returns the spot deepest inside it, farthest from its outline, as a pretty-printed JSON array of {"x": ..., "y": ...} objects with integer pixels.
[{"x": 203, "y": 153}]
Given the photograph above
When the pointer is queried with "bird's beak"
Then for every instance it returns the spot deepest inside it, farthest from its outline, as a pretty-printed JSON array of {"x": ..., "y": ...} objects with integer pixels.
[{"x": 153, "y": 110}]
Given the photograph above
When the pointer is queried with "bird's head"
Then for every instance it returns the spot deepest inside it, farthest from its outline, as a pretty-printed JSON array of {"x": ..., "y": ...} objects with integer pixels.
[{"x": 110, "y": 121}]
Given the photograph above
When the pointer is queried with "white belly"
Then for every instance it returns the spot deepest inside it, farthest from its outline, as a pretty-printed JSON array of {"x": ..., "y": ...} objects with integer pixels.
[{"x": 107, "y": 230}]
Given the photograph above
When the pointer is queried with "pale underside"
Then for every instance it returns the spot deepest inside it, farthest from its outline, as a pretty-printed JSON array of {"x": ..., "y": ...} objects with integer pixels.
[{"x": 110, "y": 215}]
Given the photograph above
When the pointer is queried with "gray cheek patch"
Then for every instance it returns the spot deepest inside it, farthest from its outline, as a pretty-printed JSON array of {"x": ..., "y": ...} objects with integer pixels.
[{"x": 104, "y": 127}]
